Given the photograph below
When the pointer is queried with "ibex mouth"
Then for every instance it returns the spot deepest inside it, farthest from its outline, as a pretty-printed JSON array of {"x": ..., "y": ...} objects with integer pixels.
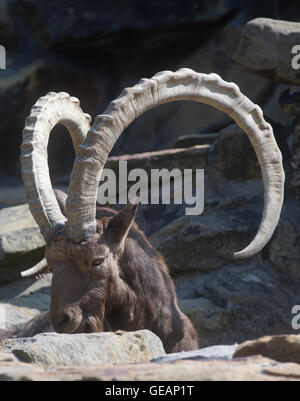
[
  {"x": 66, "y": 322},
  {"x": 89, "y": 324}
]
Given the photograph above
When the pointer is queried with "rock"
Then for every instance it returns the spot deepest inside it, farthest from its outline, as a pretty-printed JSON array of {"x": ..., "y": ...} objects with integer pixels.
[
  {"x": 294, "y": 143},
  {"x": 51, "y": 349},
  {"x": 285, "y": 249},
  {"x": 284, "y": 348},
  {"x": 187, "y": 141},
  {"x": 250, "y": 369},
  {"x": 16, "y": 315},
  {"x": 19, "y": 91},
  {"x": 224, "y": 352},
  {"x": 12, "y": 195},
  {"x": 6, "y": 357},
  {"x": 237, "y": 302},
  {"x": 191, "y": 157},
  {"x": 20, "y": 239},
  {"x": 159, "y": 127},
  {"x": 266, "y": 49},
  {"x": 29, "y": 293},
  {"x": 8, "y": 31},
  {"x": 96, "y": 24},
  {"x": 231, "y": 144},
  {"x": 290, "y": 101},
  {"x": 67, "y": 67},
  {"x": 205, "y": 242}
]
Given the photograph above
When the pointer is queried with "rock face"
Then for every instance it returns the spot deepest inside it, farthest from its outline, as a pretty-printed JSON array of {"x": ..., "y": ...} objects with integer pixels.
[
  {"x": 62, "y": 47},
  {"x": 214, "y": 352},
  {"x": 250, "y": 369},
  {"x": 50, "y": 349},
  {"x": 228, "y": 148},
  {"x": 266, "y": 49},
  {"x": 280, "y": 348},
  {"x": 20, "y": 238}
]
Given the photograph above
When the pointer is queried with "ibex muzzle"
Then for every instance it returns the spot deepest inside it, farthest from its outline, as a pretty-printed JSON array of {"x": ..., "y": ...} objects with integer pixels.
[{"x": 106, "y": 275}]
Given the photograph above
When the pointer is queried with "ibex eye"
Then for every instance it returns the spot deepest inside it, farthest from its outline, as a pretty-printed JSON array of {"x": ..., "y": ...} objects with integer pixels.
[{"x": 98, "y": 261}]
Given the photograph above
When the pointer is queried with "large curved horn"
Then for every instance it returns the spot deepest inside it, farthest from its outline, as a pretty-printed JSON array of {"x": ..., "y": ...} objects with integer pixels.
[
  {"x": 164, "y": 87},
  {"x": 49, "y": 110}
]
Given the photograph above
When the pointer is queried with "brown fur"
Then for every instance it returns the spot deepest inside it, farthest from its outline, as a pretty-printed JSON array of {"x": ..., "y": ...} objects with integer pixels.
[{"x": 130, "y": 290}]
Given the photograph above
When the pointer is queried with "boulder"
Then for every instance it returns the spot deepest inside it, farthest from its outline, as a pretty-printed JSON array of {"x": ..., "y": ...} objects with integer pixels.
[
  {"x": 21, "y": 242},
  {"x": 294, "y": 144},
  {"x": 206, "y": 242},
  {"x": 285, "y": 249},
  {"x": 237, "y": 302},
  {"x": 266, "y": 49},
  {"x": 187, "y": 141},
  {"x": 19, "y": 91},
  {"x": 284, "y": 348},
  {"x": 8, "y": 32},
  {"x": 188, "y": 158},
  {"x": 289, "y": 100},
  {"x": 234, "y": 155},
  {"x": 224, "y": 352},
  {"x": 15, "y": 315},
  {"x": 51, "y": 349},
  {"x": 247, "y": 369},
  {"x": 97, "y": 24}
]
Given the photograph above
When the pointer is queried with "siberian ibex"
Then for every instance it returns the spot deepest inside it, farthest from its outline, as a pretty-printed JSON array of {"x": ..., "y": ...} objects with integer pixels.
[{"x": 106, "y": 275}]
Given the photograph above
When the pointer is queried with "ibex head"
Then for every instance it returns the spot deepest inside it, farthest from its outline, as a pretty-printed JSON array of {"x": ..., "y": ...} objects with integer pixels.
[{"x": 84, "y": 253}]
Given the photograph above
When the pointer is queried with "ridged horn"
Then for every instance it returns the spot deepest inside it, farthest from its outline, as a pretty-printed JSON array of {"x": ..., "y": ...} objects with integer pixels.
[
  {"x": 40, "y": 268},
  {"x": 49, "y": 110},
  {"x": 164, "y": 87}
]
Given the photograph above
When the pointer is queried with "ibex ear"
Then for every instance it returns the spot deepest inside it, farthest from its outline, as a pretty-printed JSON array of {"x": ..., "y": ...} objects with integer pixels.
[
  {"x": 119, "y": 226},
  {"x": 61, "y": 197}
]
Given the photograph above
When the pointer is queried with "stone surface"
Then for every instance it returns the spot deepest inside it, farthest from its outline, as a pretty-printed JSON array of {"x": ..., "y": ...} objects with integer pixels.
[
  {"x": 285, "y": 249},
  {"x": 205, "y": 242},
  {"x": 234, "y": 155},
  {"x": 284, "y": 348},
  {"x": 57, "y": 56},
  {"x": 20, "y": 238},
  {"x": 290, "y": 101},
  {"x": 97, "y": 24},
  {"x": 8, "y": 30},
  {"x": 294, "y": 144},
  {"x": 50, "y": 349},
  {"x": 187, "y": 141},
  {"x": 266, "y": 49},
  {"x": 238, "y": 302},
  {"x": 250, "y": 369},
  {"x": 16, "y": 315},
  {"x": 214, "y": 352}
]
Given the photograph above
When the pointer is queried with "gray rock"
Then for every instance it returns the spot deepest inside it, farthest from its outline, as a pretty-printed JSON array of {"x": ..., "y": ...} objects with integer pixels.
[
  {"x": 238, "y": 302},
  {"x": 205, "y": 242},
  {"x": 285, "y": 249},
  {"x": 97, "y": 24},
  {"x": 294, "y": 142},
  {"x": 7, "y": 27},
  {"x": 266, "y": 49},
  {"x": 20, "y": 238},
  {"x": 16, "y": 315},
  {"x": 246, "y": 369},
  {"x": 224, "y": 352},
  {"x": 187, "y": 141},
  {"x": 234, "y": 155},
  {"x": 51, "y": 349},
  {"x": 290, "y": 101}
]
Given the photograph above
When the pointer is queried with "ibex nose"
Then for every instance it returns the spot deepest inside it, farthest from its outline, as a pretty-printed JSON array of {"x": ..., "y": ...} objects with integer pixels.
[{"x": 65, "y": 322}]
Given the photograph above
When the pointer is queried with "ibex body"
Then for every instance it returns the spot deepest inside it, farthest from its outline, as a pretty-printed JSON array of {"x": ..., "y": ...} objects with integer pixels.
[{"x": 106, "y": 275}]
